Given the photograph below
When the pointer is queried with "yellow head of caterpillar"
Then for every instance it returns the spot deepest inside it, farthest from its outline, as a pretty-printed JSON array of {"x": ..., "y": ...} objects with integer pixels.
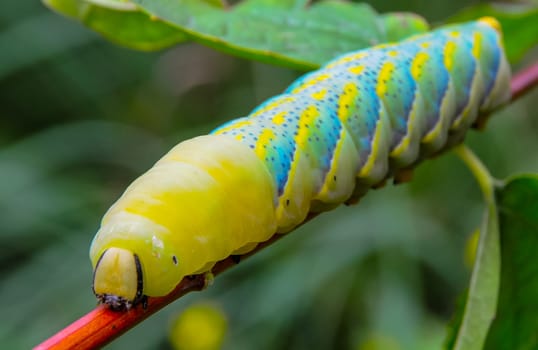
[
  {"x": 163, "y": 227},
  {"x": 117, "y": 279}
]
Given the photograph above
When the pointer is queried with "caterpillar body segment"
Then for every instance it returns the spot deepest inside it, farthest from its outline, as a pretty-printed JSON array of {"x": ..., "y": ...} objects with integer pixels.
[
  {"x": 212, "y": 188},
  {"x": 398, "y": 104},
  {"x": 331, "y": 136}
]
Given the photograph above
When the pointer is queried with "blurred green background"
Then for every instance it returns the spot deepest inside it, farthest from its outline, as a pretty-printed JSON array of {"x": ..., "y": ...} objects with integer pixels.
[{"x": 80, "y": 118}]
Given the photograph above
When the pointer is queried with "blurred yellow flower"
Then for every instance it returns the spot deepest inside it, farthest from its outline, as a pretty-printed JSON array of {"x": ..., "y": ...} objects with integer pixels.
[{"x": 201, "y": 326}]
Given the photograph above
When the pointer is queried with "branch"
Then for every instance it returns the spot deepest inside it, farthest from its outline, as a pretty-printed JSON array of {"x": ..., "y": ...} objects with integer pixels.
[
  {"x": 524, "y": 81},
  {"x": 102, "y": 325}
]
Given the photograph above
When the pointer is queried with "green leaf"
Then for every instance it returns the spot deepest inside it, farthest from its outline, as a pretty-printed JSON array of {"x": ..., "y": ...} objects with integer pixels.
[
  {"x": 473, "y": 318},
  {"x": 121, "y": 5},
  {"x": 120, "y": 22},
  {"x": 39, "y": 44},
  {"x": 263, "y": 30},
  {"x": 284, "y": 32},
  {"x": 516, "y": 323},
  {"x": 479, "y": 308},
  {"x": 400, "y": 25},
  {"x": 518, "y": 23},
  {"x": 280, "y": 32},
  {"x": 455, "y": 323}
]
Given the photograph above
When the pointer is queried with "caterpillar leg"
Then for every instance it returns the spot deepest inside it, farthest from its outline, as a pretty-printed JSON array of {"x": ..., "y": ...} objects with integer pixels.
[
  {"x": 360, "y": 190},
  {"x": 380, "y": 184},
  {"x": 209, "y": 278},
  {"x": 352, "y": 201},
  {"x": 481, "y": 121},
  {"x": 319, "y": 206},
  {"x": 403, "y": 175}
]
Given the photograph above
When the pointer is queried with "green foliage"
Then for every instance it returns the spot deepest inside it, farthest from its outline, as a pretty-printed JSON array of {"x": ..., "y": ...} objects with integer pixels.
[
  {"x": 39, "y": 44},
  {"x": 121, "y": 22},
  {"x": 516, "y": 323},
  {"x": 471, "y": 325},
  {"x": 400, "y": 25},
  {"x": 81, "y": 118},
  {"x": 277, "y": 32}
]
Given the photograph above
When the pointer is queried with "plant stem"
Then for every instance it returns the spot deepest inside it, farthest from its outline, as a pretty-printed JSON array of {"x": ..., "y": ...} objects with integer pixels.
[
  {"x": 524, "y": 81},
  {"x": 481, "y": 300},
  {"x": 479, "y": 170}
]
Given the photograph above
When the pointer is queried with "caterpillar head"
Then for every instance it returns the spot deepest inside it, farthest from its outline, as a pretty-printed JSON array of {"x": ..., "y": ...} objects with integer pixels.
[
  {"x": 117, "y": 279},
  {"x": 179, "y": 218}
]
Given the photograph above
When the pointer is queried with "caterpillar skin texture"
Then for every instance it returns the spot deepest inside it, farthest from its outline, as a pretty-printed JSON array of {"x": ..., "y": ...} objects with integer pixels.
[{"x": 329, "y": 137}]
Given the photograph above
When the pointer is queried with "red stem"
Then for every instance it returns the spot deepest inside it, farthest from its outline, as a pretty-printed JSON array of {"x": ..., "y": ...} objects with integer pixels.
[
  {"x": 523, "y": 81},
  {"x": 102, "y": 325}
]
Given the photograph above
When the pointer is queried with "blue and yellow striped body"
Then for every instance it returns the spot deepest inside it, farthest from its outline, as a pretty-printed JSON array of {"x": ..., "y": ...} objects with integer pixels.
[
  {"x": 328, "y": 138},
  {"x": 369, "y": 113}
]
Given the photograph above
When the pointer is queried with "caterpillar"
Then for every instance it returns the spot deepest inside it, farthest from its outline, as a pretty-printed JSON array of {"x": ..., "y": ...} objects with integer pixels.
[{"x": 333, "y": 134}]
